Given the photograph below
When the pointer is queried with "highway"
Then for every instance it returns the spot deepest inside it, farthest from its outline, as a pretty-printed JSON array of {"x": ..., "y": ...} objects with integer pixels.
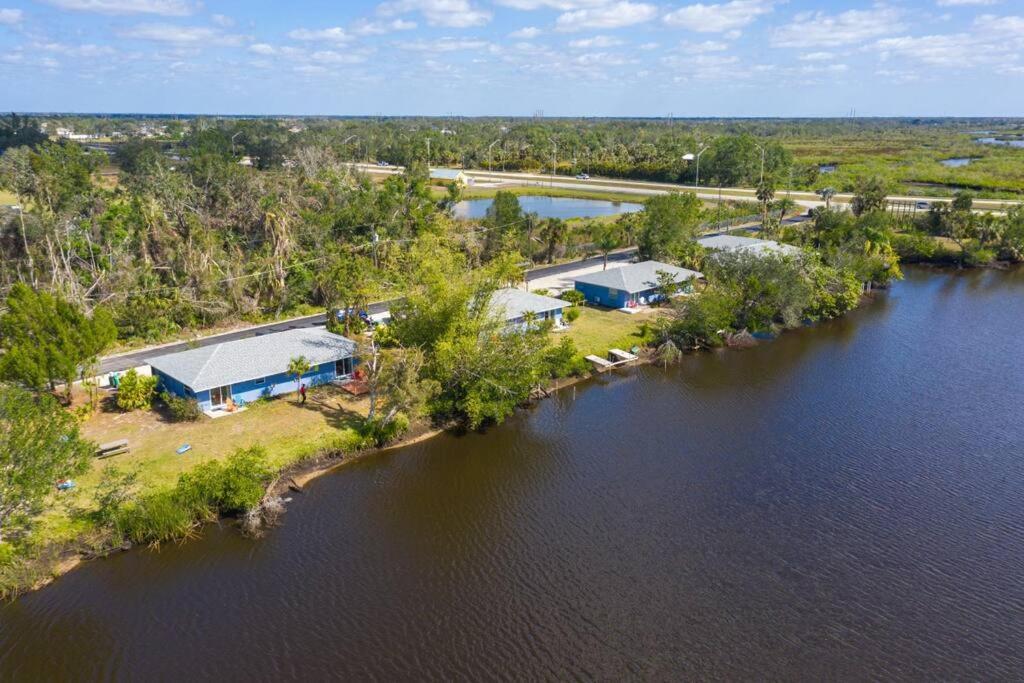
[
  {"x": 646, "y": 188},
  {"x": 133, "y": 359}
]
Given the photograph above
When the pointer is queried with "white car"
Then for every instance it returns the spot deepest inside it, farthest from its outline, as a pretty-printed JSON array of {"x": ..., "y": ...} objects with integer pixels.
[{"x": 583, "y": 176}]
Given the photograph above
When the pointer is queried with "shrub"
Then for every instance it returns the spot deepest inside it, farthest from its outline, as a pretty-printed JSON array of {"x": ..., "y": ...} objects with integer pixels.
[
  {"x": 376, "y": 433},
  {"x": 6, "y": 554},
  {"x": 573, "y": 297},
  {"x": 135, "y": 391},
  {"x": 564, "y": 360},
  {"x": 181, "y": 409},
  {"x": 229, "y": 487},
  {"x": 570, "y": 315}
]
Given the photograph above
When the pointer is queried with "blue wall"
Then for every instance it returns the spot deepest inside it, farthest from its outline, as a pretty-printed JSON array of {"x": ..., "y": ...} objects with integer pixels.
[
  {"x": 246, "y": 392},
  {"x": 520, "y": 323},
  {"x": 597, "y": 294}
]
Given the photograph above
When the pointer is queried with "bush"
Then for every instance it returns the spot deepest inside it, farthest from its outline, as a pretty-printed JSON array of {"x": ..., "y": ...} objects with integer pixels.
[
  {"x": 135, "y": 391},
  {"x": 564, "y": 360},
  {"x": 6, "y": 554},
  {"x": 573, "y": 297},
  {"x": 233, "y": 486},
  {"x": 181, "y": 409},
  {"x": 570, "y": 315},
  {"x": 377, "y": 434}
]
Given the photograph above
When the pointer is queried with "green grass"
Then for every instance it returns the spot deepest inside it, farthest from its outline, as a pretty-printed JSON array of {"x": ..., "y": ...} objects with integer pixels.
[
  {"x": 7, "y": 198},
  {"x": 597, "y": 330}
]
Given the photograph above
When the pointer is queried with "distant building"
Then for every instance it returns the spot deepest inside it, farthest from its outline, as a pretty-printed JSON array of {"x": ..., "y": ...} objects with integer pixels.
[
  {"x": 633, "y": 285},
  {"x": 513, "y": 305},
  {"x": 245, "y": 370},
  {"x": 734, "y": 243},
  {"x": 450, "y": 175}
]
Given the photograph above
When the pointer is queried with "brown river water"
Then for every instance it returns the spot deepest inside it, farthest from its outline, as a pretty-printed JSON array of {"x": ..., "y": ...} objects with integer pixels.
[{"x": 845, "y": 502}]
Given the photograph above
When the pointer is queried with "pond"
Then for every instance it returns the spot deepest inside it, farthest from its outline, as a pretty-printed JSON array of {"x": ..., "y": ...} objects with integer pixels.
[
  {"x": 551, "y": 207},
  {"x": 957, "y": 162},
  {"x": 841, "y": 503},
  {"x": 1002, "y": 142},
  {"x": 827, "y": 168}
]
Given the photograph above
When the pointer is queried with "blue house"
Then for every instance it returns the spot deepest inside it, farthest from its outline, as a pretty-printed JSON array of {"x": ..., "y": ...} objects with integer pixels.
[
  {"x": 512, "y": 305},
  {"x": 633, "y": 285},
  {"x": 244, "y": 370}
]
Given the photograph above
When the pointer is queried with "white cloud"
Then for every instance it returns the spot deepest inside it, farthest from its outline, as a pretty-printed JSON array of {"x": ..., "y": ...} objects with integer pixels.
[
  {"x": 377, "y": 28},
  {"x": 527, "y": 33},
  {"x": 85, "y": 51},
  {"x": 816, "y": 57},
  {"x": 595, "y": 42},
  {"x": 222, "y": 20},
  {"x": 181, "y": 35},
  {"x": 262, "y": 49},
  {"x": 965, "y": 3},
  {"x": 10, "y": 17},
  {"x": 613, "y": 15},
  {"x": 560, "y": 5},
  {"x": 705, "y": 46},
  {"x": 445, "y": 45},
  {"x": 335, "y": 34},
  {"x": 813, "y": 29},
  {"x": 453, "y": 13},
  {"x": 167, "y": 8},
  {"x": 718, "y": 18}
]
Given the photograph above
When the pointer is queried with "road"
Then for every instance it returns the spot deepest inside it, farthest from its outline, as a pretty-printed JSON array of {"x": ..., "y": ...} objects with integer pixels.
[
  {"x": 645, "y": 188},
  {"x": 133, "y": 359}
]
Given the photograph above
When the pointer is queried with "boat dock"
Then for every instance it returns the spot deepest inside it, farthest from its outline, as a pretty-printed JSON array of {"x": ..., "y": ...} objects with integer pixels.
[{"x": 616, "y": 358}]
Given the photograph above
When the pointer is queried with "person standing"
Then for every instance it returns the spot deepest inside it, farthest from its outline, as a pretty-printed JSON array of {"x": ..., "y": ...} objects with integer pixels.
[{"x": 302, "y": 393}]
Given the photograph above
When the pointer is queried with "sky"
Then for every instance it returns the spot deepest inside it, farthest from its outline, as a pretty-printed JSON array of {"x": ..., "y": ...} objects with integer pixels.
[{"x": 515, "y": 57}]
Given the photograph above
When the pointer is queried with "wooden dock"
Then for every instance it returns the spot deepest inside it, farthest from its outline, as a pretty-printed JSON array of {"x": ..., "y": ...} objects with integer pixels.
[{"x": 616, "y": 358}]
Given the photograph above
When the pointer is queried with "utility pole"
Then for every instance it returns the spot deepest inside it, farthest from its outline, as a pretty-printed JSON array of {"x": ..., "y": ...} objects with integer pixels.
[
  {"x": 762, "y": 162},
  {"x": 490, "y": 158},
  {"x": 428, "y": 155}
]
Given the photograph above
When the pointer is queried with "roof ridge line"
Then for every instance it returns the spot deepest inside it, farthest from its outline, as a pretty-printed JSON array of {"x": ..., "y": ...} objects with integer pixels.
[{"x": 216, "y": 350}]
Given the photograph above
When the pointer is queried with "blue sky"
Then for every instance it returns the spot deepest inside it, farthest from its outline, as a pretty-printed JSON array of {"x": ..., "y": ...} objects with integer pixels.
[{"x": 515, "y": 57}]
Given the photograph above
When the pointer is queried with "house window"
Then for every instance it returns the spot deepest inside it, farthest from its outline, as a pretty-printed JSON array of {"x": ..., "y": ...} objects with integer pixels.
[
  {"x": 343, "y": 367},
  {"x": 612, "y": 293},
  {"x": 259, "y": 382}
]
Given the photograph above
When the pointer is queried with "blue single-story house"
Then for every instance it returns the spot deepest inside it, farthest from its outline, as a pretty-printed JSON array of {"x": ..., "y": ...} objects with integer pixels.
[
  {"x": 244, "y": 370},
  {"x": 633, "y": 285},
  {"x": 513, "y": 305}
]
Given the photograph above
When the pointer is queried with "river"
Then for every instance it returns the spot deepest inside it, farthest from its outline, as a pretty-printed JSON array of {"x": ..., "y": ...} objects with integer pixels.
[
  {"x": 550, "y": 207},
  {"x": 843, "y": 502}
]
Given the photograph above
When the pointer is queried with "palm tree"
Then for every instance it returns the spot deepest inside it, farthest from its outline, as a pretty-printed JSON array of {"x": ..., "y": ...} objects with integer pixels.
[
  {"x": 668, "y": 352},
  {"x": 827, "y": 193},
  {"x": 297, "y": 367},
  {"x": 765, "y": 195},
  {"x": 553, "y": 232},
  {"x": 607, "y": 240}
]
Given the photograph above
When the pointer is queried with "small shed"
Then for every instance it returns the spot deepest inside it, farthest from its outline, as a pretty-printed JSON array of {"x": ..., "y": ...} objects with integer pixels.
[
  {"x": 513, "y": 305},
  {"x": 244, "y": 370},
  {"x": 633, "y": 285}
]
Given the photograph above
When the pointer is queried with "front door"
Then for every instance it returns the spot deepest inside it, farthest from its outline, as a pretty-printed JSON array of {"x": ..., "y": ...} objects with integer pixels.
[{"x": 219, "y": 396}]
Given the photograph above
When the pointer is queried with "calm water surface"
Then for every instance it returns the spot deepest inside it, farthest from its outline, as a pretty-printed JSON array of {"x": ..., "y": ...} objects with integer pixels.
[
  {"x": 1000, "y": 141},
  {"x": 551, "y": 207},
  {"x": 842, "y": 503},
  {"x": 957, "y": 162}
]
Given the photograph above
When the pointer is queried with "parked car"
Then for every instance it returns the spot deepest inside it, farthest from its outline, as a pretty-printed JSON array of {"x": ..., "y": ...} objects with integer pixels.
[
  {"x": 923, "y": 205},
  {"x": 583, "y": 176},
  {"x": 383, "y": 163}
]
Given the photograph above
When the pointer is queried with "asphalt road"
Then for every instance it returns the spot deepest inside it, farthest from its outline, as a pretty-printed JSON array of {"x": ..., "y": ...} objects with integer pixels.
[{"x": 133, "y": 359}]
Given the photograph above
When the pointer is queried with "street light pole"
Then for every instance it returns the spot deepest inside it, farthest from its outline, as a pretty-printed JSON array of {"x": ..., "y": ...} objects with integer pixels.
[
  {"x": 691, "y": 157},
  {"x": 762, "y": 162},
  {"x": 490, "y": 158}
]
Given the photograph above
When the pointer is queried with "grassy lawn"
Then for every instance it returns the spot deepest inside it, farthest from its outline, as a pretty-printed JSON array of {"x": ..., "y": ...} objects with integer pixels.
[
  {"x": 285, "y": 428},
  {"x": 7, "y": 198},
  {"x": 600, "y": 329}
]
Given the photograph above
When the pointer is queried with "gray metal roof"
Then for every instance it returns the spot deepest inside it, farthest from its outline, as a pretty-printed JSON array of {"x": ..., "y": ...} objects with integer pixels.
[
  {"x": 637, "y": 277},
  {"x": 512, "y": 303},
  {"x": 246, "y": 359},
  {"x": 751, "y": 244}
]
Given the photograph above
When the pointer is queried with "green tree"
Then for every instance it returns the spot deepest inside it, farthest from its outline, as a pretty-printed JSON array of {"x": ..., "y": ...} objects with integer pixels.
[
  {"x": 765, "y": 196},
  {"x": 297, "y": 367},
  {"x": 39, "y": 444},
  {"x": 553, "y": 231},
  {"x": 503, "y": 220},
  {"x": 135, "y": 391},
  {"x": 668, "y": 221},
  {"x": 46, "y": 340},
  {"x": 872, "y": 195},
  {"x": 607, "y": 238}
]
